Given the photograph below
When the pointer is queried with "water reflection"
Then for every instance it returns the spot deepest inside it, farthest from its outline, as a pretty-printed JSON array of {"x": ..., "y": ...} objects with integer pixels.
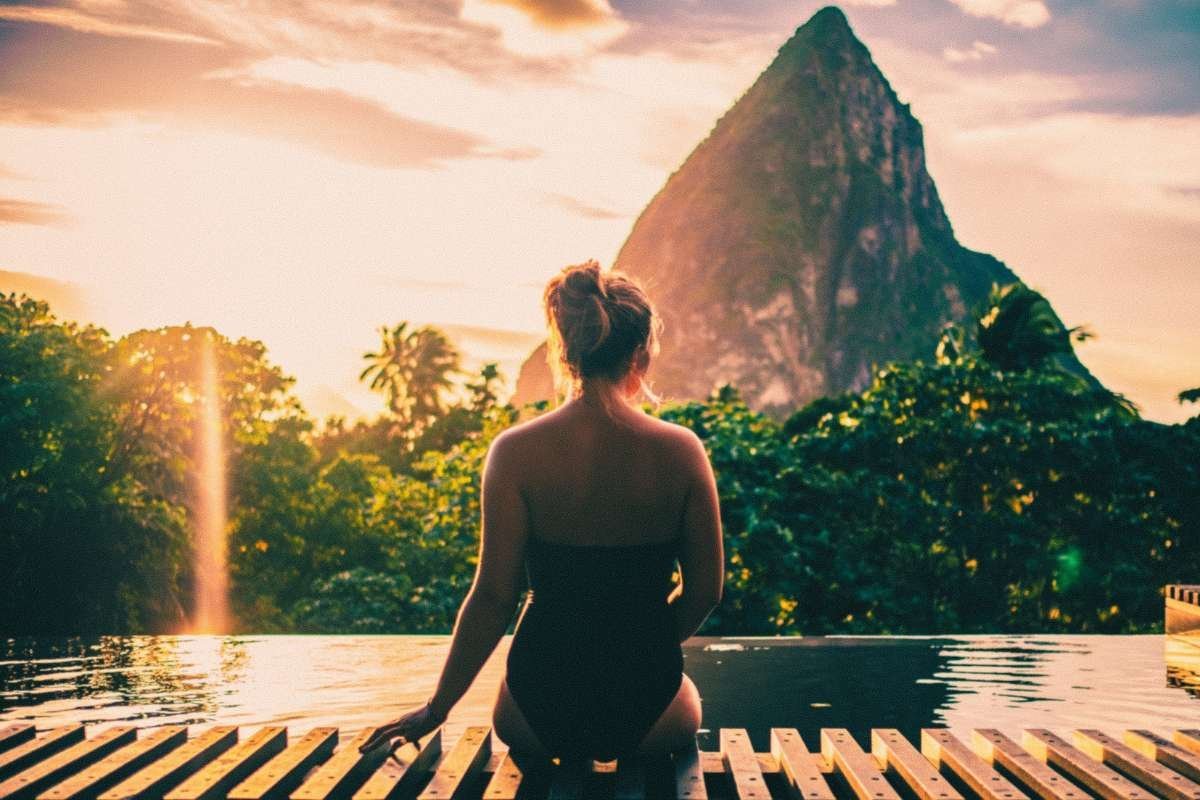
[{"x": 1007, "y": 682}]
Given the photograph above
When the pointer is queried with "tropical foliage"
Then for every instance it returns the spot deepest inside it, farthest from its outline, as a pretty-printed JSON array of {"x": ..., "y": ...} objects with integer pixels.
[{"x": 986, "y": 489}]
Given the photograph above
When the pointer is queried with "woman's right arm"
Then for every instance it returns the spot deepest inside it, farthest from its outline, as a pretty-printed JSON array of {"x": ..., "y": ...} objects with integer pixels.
[{"x": 702, "y": 557}]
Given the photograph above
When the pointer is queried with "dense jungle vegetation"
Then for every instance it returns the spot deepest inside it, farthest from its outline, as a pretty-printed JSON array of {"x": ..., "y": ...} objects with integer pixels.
[{"x": 984, "y": 489}]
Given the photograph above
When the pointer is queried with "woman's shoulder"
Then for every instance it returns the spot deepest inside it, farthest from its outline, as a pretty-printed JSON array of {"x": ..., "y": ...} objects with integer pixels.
[{"x": 673, "y": 433}]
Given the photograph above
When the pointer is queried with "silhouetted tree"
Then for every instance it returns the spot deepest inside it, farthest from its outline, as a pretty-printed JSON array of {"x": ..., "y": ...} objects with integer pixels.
[{"x": 413, "y": 368}]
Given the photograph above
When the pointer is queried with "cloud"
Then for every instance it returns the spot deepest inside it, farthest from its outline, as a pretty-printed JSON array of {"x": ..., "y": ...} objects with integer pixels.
[
  {"x": 559, "y": 14},
  {"x": 10, "y": 175},
  {"x": 86, "y": 23},
  {"x": 586, "y": 210},
  {"x": 25, "y": 212},
  {"x": 1018, "y": 13},
  {"x": 210, "y": 88},
  {"x": 975, "y": 52},
  {"x": 548, "y": 29}
]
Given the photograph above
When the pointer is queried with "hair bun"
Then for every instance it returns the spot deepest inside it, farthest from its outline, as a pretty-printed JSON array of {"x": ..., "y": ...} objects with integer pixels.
[
  {"x": 580, "y": 297},
  {"x": 585, "y": 279},
  {"x": 599, "y": 320}
]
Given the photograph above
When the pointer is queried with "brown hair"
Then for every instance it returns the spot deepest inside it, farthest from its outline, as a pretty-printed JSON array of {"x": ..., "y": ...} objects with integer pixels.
[{"x": 597, "y": 321}]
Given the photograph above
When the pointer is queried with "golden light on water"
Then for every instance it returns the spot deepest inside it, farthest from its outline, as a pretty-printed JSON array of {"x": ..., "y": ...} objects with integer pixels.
[{"x": 211, "y": 613}]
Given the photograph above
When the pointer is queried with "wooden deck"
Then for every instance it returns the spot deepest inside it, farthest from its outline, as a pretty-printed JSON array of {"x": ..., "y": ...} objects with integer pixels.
[
  {"x": 221, "y": 762},
  {"x": 1182, "y": 601}
]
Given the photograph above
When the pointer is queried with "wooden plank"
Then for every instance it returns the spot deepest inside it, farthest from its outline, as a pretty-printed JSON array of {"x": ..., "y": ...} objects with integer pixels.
[
  {"x": 32, "y": 751},
  {"x": 338, "y": 777},
  {"x": 631, "y": 779},
  {"x": 711, "y": 763},
  {"x": 283, "y": 773},
  {"x": 1114, "y": 752},
  {"x": 15, "y": 734},
  {"x": 741, "y": 765},
  {"x": 1164, "y": 751},
  {"x": 892, "y": 750},
  {"x": 942, "y": 748},
  {"x": 30, "y": 781},
  {"x": 798, "y": 765},
  {"x": 401, "y": 768},
  {"x": 996, "y": 748},
  {"x": 1053, "y": 749},
  {"x": 153, "y": 781},
  {"x": 1189, "y": 739},
  {"x": 467, "y": 757},
  {"x": 115, "y": 766},
  {"x": 689, "y": 774},
  {"x": 839, "y": 748},
  {"x": 231, "y": 767},
  {"x": 505, "y": 781}
]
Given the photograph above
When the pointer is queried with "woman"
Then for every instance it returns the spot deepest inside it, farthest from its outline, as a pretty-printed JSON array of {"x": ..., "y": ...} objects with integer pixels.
[{"x": 594, "y": 501}]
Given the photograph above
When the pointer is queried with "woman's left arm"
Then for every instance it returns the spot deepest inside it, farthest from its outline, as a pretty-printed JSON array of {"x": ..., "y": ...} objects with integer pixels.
[{"x": 489, "y": 605}]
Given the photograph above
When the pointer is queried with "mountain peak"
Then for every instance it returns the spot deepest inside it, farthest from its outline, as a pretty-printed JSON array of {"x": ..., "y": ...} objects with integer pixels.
[
  {"x": 827, "y": 40},
  {"x": 828, "y": 20},
  {"x": 803, "y": 241}
]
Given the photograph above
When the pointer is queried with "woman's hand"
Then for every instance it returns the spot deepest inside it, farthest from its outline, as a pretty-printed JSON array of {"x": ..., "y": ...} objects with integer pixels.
[{"x": 409, "y": 727}]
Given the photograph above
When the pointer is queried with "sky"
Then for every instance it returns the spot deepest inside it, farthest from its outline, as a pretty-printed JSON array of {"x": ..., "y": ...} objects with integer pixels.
[{"x": 304, "y": 172}]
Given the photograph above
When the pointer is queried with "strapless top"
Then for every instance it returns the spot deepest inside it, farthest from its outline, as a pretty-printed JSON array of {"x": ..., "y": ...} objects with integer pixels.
[{"x": 595, "y": 658}]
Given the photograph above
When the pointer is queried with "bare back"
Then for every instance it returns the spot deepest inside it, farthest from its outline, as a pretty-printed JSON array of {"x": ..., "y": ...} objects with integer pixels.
[{"x": 588, "y": 479}]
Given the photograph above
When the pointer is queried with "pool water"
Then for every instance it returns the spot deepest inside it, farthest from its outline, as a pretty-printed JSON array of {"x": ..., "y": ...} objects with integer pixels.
[{"x": 960, "y": 682}]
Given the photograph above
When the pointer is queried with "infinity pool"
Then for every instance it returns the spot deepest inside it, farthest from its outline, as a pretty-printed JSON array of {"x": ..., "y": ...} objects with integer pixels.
[{"x": 1006, "y": 682}]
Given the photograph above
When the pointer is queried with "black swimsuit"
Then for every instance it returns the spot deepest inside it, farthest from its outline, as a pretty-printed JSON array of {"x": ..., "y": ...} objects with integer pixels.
[{"x": 595, "y": 659}]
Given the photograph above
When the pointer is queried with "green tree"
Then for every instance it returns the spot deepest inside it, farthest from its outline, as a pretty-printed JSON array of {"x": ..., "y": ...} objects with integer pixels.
[
  {"x": 414, "y": 369},
  {"x": 85, "y": 545}
]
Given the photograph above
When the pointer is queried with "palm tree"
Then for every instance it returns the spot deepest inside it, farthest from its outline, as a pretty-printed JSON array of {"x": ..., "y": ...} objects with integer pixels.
[
  {"x": 413, "y": 369},
  {"x": 1020, "y": 330},
  {"x": 436, "y": 361}
]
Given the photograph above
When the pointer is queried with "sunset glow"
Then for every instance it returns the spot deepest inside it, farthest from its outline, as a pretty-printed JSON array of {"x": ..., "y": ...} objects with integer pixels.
[
  {"x": 304, "y": 173},
  {"x": 211, "y": 542}
]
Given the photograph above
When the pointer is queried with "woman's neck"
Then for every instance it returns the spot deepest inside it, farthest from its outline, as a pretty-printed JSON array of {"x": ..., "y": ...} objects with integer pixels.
[{"x": 607, "y": 397}]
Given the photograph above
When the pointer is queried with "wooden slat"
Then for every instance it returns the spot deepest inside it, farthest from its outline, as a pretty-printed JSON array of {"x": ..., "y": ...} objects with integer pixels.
[
  {"x": 505, "y": 781},
  {"x": 741, "y": 765},
  {"x": 29, "y": 782},
  {"x": 283, "y": 773},
  {"x": 942, "y": 748},
  {"x": 153, "y": 781},
  {"x": 15, "y": 734},
  {"x": 112, "y": 768},
  {"x": 339, "y": 776},
  {"x": 839, "y": 748},
  {"x": 1106, "y": 749},
  {"x": 631, "y": 779},
  {"x": 996, "y": 748},
  {"x": 32, "y": 751},
  {"x": 467, "y": 757},
  {"x": 232, "y": 766},
  {"x": 689, "y": 775},
  {"x": 1164, "y": 751},
  {"x": 1053, "y": 749},
  {"x": 1188, "y": 739},
  {"x": 891, "y": 749},
  {"x": 401, "y": 768},
  {"x": 798, "y": 765}
]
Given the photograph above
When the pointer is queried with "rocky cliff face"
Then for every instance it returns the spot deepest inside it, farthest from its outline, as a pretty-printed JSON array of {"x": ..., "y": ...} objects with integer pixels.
[{"x": 802, "y": 242}]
